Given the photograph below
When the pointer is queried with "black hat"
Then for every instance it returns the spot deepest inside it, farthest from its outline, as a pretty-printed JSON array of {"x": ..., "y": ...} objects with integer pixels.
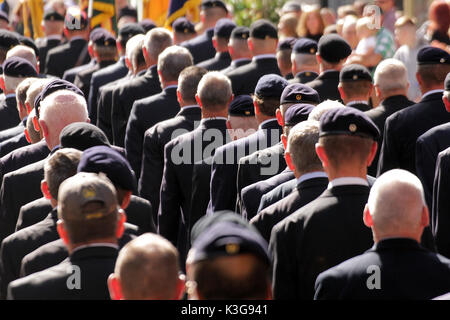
[
  {"x": 270, "y": 86},
  {"x": 183, "y": 25},
  {"x": 127, "y": 12},
  {"x": 52, "y": 15},
  {"x": 240, "y": 33},
  {"x": 130, "y": 30},
  {"x": 103, "y": 38},
  {"x": 18, "y": 67},
  {"x": 447, "y": 83},
  {"x": 348, "y": 121},
  {"x": 82, "y": 136},
  {"x": 223, "y": 28},
  {"x": 286, "y": 43},
  {"x": 213, "y": 3},
  {"x": 8, "y": 39},
  {"x": 75, "y": 20},
  {"x": 305, "y": 46},
  {"x": 242, "y": 106},
  {"x": 263, "y": 29},
  {"x": 354, "y": 72},
  {"x": 28, "y": 42},
  {"x": 4, "y": 16},
  {"x": 299, "y": 93},
  {"x": 297, "y": 113},
  {"x": 53, "y": 86},
  {"x": 95, "y": 32},
  {"x": 147, "y": 24},
  {"x": 432, "y": 55},
  {"x": 110, "y": 162},
  {"x": 229, "y": 239},
  {"x": 333, "y": 48}
]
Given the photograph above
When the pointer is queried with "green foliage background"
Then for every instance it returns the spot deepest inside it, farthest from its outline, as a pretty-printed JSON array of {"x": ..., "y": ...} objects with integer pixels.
[{"x": 247, "y": 11}]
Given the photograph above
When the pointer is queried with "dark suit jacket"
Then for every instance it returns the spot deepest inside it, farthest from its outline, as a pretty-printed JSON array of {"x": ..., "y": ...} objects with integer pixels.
[
  {"x": 14, "y": 131},
  {"x": 33, "y": 212},
  {"x": 71, "y": 74},
  {"x": 326, "y": 84},
  {"x": 200, "y": 195},
  {"x": 428, "y": 147},
  {"x": 304, "y": 77},
  {"x": 379, "y": 115},
  {"x": 83, "y": 78},
  {"x": 245, "y": 78},
  {"x": 44, "y": 46},
  {"x": 220, "y": 61},
  {"x": 252, "y": 194},
  {"x": 325, "y": 232},
  {"x": 277, "y": 193},
  {"x": 201, "y": 47},
  {"x": 94, "y": 265},
  {"x": 9, "y": 116},
  {"x": 234, "y": 65},
  {"x": 360, "y": 106},
  {"x": 180, "y": 154},
  {"x": 155, "y": 139},
  {"x": 398, "y": 260},
  {"x": 226, "y": 162},
  {"x": 12, "y": 144},
  {"x": 404, "y": 127},
  {"x": 144, "y": 115},
  {"x": 100, "y": 78},
  {"x": 65, "y": 57},
  {"x": 125, "y": 95},
  {"x": 304, "y": 193}
]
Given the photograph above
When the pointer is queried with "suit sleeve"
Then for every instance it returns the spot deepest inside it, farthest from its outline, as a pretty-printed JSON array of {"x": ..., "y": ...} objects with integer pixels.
[
  {"x": 326, "y": 287},
  {"x": 6, "y": 268},
  {"x": 425, "y": 165},
  {"x": 440, "y": 215},
  {"x": 92, "y": 100},
  {"x": 118, "y": 121},
  {"x": 134, "y": 138},
  {"x": 389, "y": 158},
  {"x": 104, "y": 113}
]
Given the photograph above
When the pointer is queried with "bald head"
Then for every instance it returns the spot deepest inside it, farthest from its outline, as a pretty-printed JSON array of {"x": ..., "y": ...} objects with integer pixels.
[
  {"x": 24, "y": 52},
  {"x": 147, "y": 268},
  {"x": 397, "y": 206},
  {"x": 391, "y": 78}
]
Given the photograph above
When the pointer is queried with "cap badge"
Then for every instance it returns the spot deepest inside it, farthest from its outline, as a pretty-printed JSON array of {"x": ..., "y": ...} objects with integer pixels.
[
  {"x": 298, "y": 97},
  {"x": 308, "y": 74},
  {"x": 185, "y": 30},
  {"x": 247, "y": 113},
  {"x": 106, "y": 43},
  {"x": 443, "y": 60},
  {"x": 267, "y": 37},
  {"x": 353, "y": 128},
  {"x": 355, "y": 77},
  {"x": 232, "y": 248},
  {"x": 88, "y": 192},
  {"x": 312, "y": 50},
  {"x": 244, "y": 36}
]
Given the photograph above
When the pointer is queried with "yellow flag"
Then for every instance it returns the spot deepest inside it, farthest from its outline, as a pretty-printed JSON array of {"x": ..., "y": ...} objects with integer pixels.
[{"x": 156, "y": 10}]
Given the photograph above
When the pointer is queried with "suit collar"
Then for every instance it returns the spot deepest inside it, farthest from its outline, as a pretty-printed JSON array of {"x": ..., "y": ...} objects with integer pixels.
[
  {"x": 97, "y": 251},
  {"x": 329, "y": 74},
  {"x": 240, "y": 62},
  {"x": 318, "y": 181},
  {"x": 347, "y": 189},
  {"x": 189, "y": 110},
  {"x": 397, "y": 243},
  {"x": 269, "y": 124},
  {"x": 152, "y": 71},
  {"x": 429, "y": 96},
  {"x": 394, "y": 100},
  {"x": 311, "y": 175},
  {"x": 211, "y": 123}
]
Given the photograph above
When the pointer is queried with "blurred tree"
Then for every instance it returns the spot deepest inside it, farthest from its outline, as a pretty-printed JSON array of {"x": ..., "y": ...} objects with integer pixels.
[{"x": 247, "y": 11}]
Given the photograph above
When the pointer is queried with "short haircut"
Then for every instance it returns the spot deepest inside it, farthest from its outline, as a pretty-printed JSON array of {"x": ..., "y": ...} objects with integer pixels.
[
  {"x": 60, "y": 166},
  {"x": 290, "y": 21},
  {"x": 24, "y": 52},
  {"x": 35, "y": 136},
  {"x": 284, "y": 56},
  {"x": 343, "y": 149},
  {"x": 302, "y": 59},
  {"x": 188, "y": 82},
  {"x": 21, "y": 90},
  {"x": 302, "y": 146},
  {"x": 217, "y": 280},
  {"x": 433, "y": 74},
  {"x": 172, "y": 61},
  {"x": 405, "y": 21},
  {"x": 106, "y": 53},
  {"x": 34, "y": 89},
  {"x": 212, "y": 14},
  {"x": 391, "y": 75},
  {"x": 356, "y": 88},
  {"x": 11, "y": 83},
  {"x": 156, "y": 40},
  {"x": 324, "y": 107},
  {"x": 214, "y": 91},
  {"x": 267, "y": 106},
  {"x": 148, "y": 268}
]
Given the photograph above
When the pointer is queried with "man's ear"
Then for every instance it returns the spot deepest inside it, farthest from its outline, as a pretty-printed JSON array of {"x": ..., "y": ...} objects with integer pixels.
[
  {"x": 199, "y": 102},
  {"x": 250, "y": 44},
  {"x": 322, "y": 155},
  {"x": 367, "y": 218},
  {"x": 179, "y": 99},
  {"x": 62, "y": 232},
  {"x": 2, "y": 83},
  {"x": 27, "y": 135},
  {"x": 284, "y": 140},
  {"x": 44, "y": 128},
  {"x": 230, "y": 50},
  {"x": 28, "y": 106},
  {"x": 36, "y": 126},
  {"x": 214, "y": 42},
  {"x": 373, "y": 153},
  {"x": 377, "y": 91},
  {"x": 120, "y": 224},
  {"x": 114, "y": 287},
  {"x": 257, "y": 111},
  {"x": 318, "y": 58},
  {"x": 279, "y": 117},
  {"x": 288, "y": 158},
  {"x": 341, "y": 92},
  {"x": 44, "y": 190},
  {"x": 425, "y": 218},
  {"x": 126, "y": 200},
  {"x": 419, "y": 80},
  {"x": 446, "y": 103}
]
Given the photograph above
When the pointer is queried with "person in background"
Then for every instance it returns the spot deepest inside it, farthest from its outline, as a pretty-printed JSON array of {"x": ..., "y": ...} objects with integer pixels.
[{"x": 311, "y": 24}]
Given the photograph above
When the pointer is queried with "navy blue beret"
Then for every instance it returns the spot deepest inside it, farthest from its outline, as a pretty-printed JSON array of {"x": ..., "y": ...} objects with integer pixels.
[
  {"x": 333, "y": 48},
  {"x": 286, "y": 43},
  {"x": 229, "y": 239},
  {"x": 213, "y": 4},
  {"x": 299, "y": 93},
  {"x": 8, "y": 39},
  {"x": 354, "y": 72},
  {"x": 110, "y": 162},
  {"x": 183, "y": 25},
  {"x": 348, "y": 121},
  {"x": 4, "y": 16},
  {"x": 270, "y": 86},
  {"x": 82, "y": 136},
  {"x": 223, "y": 28},
  {"x": 147, "y": 24},
  {"x": 129, "y": 30},
  {"x": 28, "y": 42},
  {"x": 18, "y": 67},
  {"x": 53, "y": 15},
  {"x": 263, "y": 29},
  {"x": 127, "y": 12},
  {"x": 96, "y": 32},
  {"x": 53, "y": 86},
  {"x": 240, "y": 33},
  {"x": 305, "y": 46},
  {"x": 242, "y": 106},
  {"x": 103, "y": 38},
  {"x": 447, "y": 83},
  {"x": 297, "y": 113},
  {"x": 432, "y": 55}
]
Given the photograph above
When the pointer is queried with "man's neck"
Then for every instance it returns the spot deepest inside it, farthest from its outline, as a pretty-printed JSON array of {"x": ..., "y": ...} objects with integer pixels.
[
  {"x": 210, "y": 114},
  {"x": 392, "y": 94},
  {"x": 425, "y": 90},
  {"x": 347, "y": 172},
  {"x": 166, "y": 84},
  {"x": 356, "y": 99},
  {"x": 187, "y": 103}
]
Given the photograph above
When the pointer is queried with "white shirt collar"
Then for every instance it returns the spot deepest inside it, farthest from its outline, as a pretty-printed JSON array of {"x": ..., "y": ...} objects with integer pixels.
[
  {"x": 10, "y": 95},
  {"x": 213, "y": 118},
  {"x": 191, "y": 106},
  {"x": 345, "y": 181},
  {"x": 54, "y": 37},
  {"x": 264, "y": 122},
  {"x": 239, "y": 60},
  {"x": 264, "y": 56},
  {"x": 100, "y": 244},
  {"x": 171, "y": 86},
  {"x": 432, "y": 92},
  {"x": 311, "y": 175},
  {"x": 76, "y": 38},
  {"x": 351, "y": 103}
]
